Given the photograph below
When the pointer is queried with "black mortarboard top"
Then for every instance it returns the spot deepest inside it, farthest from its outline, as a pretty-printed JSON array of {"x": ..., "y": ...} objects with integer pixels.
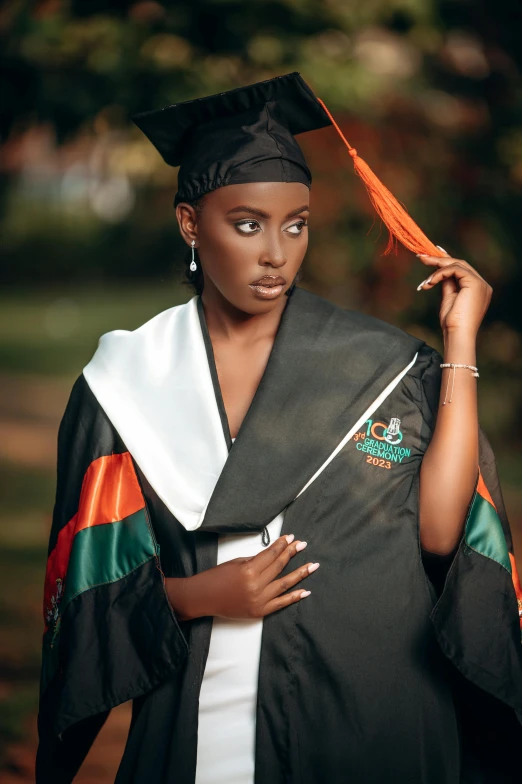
[{"x": 242, "y": 135}]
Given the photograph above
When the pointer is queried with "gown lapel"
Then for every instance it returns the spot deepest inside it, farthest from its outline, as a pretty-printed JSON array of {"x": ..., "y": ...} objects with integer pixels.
[
  {"x": 326, "y": 367},
  {"x": 214, "y": 374}
]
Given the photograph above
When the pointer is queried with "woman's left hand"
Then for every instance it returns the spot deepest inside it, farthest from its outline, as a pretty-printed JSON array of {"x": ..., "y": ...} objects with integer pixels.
[{"x": 465, "y": 294}]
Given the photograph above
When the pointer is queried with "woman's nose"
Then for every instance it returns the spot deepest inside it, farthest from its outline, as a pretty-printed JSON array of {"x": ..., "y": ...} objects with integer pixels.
[{"x": 273, "y": 255}]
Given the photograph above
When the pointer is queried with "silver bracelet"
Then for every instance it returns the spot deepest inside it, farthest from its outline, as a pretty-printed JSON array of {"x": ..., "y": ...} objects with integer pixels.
[{"x": 456, "y": 365}]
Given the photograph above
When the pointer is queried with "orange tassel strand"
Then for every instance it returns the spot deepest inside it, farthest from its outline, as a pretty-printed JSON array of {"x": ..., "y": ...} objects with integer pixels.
[{"x": 400, "y": 224}]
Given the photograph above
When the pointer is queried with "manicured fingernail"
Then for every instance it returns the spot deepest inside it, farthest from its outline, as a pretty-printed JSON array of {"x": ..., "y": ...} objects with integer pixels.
[
  {"x": 290, "y": 538},
  {"x": 305, "y": 594},
  {"x": 428, "y": 280},
  {"x": 313, "y": 567},
  {"x": 441, "y": 248},
  {"x": 421, "y": 255},
  {"x": 301, "y": 546}
]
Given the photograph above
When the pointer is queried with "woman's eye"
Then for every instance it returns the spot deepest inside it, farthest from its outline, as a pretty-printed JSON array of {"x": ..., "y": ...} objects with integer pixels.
[
  {"x": 248, "y": 227},
  {"x": 297, "y": 228}
]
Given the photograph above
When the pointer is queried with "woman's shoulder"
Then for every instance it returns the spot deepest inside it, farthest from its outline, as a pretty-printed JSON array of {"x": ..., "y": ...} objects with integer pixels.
[
  {"x": 369, "y": 335},
  {"x": 165, "y": 321},
  {"x": 120, "y": 347},
  {"x": 371, "y": 328}
]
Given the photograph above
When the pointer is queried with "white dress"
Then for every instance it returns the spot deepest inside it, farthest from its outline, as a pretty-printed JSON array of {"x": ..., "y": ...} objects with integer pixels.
[{"x": 227, "y": 703}]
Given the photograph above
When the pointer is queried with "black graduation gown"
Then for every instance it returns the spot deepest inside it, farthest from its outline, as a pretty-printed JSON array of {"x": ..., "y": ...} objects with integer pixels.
[{"x": 402, "y": 666}]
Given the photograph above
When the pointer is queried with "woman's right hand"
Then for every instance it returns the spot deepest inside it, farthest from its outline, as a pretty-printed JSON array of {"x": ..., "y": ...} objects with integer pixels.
[{"x": 242, "y": 588}]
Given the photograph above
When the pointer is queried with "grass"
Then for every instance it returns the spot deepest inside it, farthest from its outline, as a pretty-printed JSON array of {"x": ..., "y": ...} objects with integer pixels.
[{"x": 26, "y": 498}]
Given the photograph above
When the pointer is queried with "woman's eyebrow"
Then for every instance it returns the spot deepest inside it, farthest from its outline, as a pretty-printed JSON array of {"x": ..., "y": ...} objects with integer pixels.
[
  {"x": 304, "y": 208},
  {"x": 261, "y": 214},
  {"x": 251, "y": 210}
]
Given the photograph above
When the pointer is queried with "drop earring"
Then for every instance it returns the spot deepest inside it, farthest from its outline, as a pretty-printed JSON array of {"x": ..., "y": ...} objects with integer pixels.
[{"x": 193, "y": 265}]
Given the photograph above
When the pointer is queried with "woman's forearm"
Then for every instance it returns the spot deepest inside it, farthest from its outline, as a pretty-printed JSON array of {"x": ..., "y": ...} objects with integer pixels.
[
  {"x": 186, "y": 596},
  {"x": 449, "y": 469}
]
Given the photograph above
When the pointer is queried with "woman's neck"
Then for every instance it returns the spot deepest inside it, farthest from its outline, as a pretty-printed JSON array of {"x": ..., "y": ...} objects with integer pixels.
[{"x": 226, "y": 323}]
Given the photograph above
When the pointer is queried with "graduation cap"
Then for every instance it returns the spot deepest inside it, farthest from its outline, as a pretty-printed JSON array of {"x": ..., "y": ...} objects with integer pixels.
[{"x": 247, "y": 135}]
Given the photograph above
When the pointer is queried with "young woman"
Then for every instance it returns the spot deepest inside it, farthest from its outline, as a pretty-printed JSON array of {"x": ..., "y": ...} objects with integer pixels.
[{"x": 278, "y": 528}]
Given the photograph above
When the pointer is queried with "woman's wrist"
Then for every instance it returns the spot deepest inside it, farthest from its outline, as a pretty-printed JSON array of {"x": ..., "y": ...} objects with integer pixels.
[
  {"x": 460, "y": 347},
  {"x": 185, "y": 597}
]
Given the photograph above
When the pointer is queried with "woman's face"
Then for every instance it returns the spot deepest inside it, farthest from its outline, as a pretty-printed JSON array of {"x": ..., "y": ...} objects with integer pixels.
[{"x": 251, "y": 241}]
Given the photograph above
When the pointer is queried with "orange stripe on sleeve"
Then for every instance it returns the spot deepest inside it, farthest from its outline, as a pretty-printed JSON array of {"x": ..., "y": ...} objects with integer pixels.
[
  {"x": 516, "y": 585},
  {"x": 483, "y": 491},
  {"x": 110, "y": 492}
]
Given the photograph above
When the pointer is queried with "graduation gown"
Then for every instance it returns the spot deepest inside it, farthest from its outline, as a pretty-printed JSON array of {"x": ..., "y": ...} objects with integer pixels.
[{"x": 402, "y": 666}]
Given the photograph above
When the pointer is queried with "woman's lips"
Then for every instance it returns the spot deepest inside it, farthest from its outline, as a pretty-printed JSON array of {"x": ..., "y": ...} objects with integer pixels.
[
  {"x": 267, "y": 292},
  {"x": 269, "y": 286}
]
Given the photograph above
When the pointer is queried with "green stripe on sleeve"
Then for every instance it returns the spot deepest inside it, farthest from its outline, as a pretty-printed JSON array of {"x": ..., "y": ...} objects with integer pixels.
[
  {"x": 102, "y": 554},
  {"x": 484, "y": 532}
]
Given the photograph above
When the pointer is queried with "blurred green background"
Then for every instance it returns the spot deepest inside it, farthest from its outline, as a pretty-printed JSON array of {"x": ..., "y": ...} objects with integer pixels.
[{"x": 429, "y": 92}]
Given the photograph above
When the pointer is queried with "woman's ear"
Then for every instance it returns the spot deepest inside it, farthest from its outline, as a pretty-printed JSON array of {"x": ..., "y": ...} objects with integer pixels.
[{"x": 188, "y": 223}]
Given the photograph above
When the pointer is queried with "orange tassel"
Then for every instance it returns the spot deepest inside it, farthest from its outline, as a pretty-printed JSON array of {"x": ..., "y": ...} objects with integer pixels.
[{"x": 400, "y": 224}]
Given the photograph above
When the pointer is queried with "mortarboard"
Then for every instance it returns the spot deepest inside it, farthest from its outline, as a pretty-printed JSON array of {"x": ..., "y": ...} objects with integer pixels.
[
  {"x": 247, "y": 135},
  {"x": 243, "y": 135}
]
